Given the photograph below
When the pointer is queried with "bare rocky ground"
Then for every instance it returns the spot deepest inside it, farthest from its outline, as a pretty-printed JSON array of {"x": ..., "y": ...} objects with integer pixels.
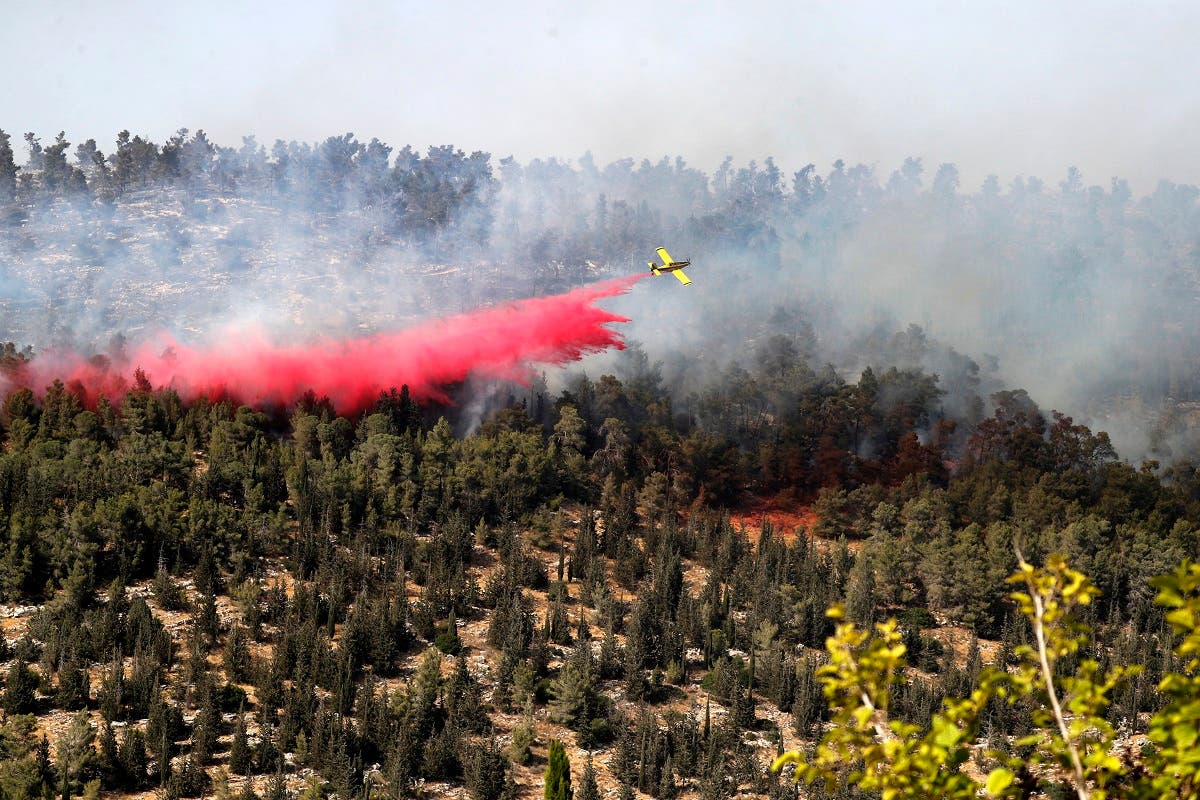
[{"x": 481, "y": 660}]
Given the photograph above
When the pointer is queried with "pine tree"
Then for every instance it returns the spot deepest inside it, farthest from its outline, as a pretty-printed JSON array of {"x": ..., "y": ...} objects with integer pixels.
[
  {"x": 809, "y": 703},
  {"x": 558, "y": 773},
  {"x": 266, "y": 754},
  {"x": 448, "y": 641},
  {"x": 587, "y": 785},
  {"x": 237, "y": 658},
  {"x": 487, "y": 772},
  {"x": 74, "y": 685},
  {"x": 440, "y": 758},
  {"x": 205, "y": 622},
  {"x": 422, "y": 713},
  {"x": 77, "y": 755},
  {"x": 8, "y": 169},
  {"x": 610, "y": 665},
  {"x": 109, "y": 761},
  {"x": 574, "y": 702},
  {"x": 625, "y": 759},
  {"x": 666, "y": 782},
  {"x": 860, "y": 591},
  {"x": 464, "y": 700},
  {"x": 315, "y": 790},
  {"x": 522, "y": 738},
  {"x": 277, "y": 788},
  {"x": 239, "y": 751},
  {"x": 636, "y": 684},
  {"x": 45, "y": 769},
  {"x": 189, "y": 780},
  {"x": 206, "y": 725},
  {"x": 716, "y": 784},
  {"x": 132, "y": 758},
  {"x": 19, "y": 686},
  {"x": 582, "y": 631},
  {"x": 248, "y": 792},
  {"x": 168, "y": 593}
]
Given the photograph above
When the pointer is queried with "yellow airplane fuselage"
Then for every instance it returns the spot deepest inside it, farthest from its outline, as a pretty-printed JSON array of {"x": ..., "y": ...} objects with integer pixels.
[{"x": 670, "y": 265}]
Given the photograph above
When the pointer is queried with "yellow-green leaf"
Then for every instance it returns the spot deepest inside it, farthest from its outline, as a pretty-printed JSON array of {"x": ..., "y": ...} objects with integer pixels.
[
  {"x": 790, "y": 757},
  {"x": 998, "y": 780}
]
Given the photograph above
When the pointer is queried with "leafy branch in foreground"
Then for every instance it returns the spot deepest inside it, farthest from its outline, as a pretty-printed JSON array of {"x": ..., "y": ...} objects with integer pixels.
[
  {"x": 1071, "y": 741},
  {"x": 1069, "y": 727},
  {"x": 889, "y": 756},
  {"x": 1173, "y": 769},
  {"x": 1070, "y": 730}
]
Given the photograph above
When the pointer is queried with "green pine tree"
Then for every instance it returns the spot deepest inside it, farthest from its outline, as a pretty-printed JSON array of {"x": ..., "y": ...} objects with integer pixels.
[
  {"x": 487, "y": 772},
  {"x": 574, "y": 689},
  {"x": 558, "y": 773},
  {"x": 587, "y": 786},
  {"x": 239, "y": 751}
]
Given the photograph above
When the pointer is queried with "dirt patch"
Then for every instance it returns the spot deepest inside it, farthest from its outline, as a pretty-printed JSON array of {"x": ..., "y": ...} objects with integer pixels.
[{"x": 957, "y": 642}]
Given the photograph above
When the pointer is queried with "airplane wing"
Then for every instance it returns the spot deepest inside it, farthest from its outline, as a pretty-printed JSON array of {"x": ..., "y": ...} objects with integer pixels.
[
  {"x": 665, "y": 256},
  {"x": 684, "y": 279}
]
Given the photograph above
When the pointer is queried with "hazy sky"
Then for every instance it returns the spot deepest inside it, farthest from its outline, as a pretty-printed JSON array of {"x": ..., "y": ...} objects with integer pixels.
[{"x": 1009, "y": 87}]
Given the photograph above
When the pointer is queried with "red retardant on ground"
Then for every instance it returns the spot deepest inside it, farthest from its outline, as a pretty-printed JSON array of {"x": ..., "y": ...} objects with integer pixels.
[{"x": 501, "y": 342}]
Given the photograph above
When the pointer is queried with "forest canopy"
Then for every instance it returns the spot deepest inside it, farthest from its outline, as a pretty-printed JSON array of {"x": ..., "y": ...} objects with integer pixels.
[{"x": 211, "y": 598}]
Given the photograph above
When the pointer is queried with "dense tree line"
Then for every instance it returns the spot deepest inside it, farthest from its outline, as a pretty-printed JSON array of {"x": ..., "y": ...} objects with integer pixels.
[
  {"x": 565, "y": 212},
  {"x": 1090, "y": 277},
  {"x": 421, "y": 193},
  {"x": 313, "y": 558}
]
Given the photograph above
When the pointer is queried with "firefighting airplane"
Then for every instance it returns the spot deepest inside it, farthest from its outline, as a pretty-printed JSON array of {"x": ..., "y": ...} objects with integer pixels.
[{"x": 671, "y": 266}]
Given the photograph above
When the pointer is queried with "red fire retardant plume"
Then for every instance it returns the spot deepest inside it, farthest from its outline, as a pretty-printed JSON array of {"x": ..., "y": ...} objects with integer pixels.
[{"x": 500, "y": 342}]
